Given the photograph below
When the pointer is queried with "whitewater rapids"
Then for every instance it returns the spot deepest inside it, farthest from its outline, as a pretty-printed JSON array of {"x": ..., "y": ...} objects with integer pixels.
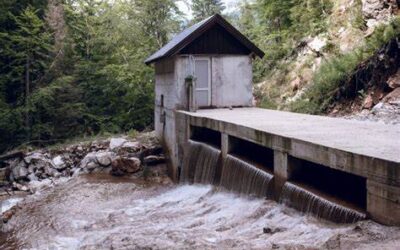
[{"x": 108, "y": 213}]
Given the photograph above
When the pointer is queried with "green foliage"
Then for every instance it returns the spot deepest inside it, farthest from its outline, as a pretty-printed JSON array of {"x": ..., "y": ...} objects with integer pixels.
[
  {"x": 357, "y": 19},
  {"x": 92, "y": 80},
  {"x": 57, "y": 110},
  {"x": 334, "y": 72},
  {"x": 25, "y": 55},
  {"x": 205, "y": 8},
  {"x": 11, "y": 127},
  {"x": 277, "y": 25}
]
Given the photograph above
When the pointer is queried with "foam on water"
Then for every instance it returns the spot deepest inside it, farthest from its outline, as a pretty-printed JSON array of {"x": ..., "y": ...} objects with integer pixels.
[
  {"x": 7, "y": 204},
  {"x": 82, "y": 214}
]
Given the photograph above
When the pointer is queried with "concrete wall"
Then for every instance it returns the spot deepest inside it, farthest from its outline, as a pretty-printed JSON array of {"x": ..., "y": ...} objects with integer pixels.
[
  {"x": 232, "y": 81},
  {"x": 231, "y": 86},
  {"x": 383, "y": 177},
  {"x": 165, "y": 85}
]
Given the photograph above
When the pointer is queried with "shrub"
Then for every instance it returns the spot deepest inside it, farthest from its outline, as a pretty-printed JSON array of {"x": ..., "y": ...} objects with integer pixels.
[{"x": 333, "y": 73}]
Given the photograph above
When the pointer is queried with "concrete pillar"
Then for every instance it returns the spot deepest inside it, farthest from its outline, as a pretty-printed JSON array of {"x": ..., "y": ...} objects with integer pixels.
[
  {"x": 224, "y": 153},
  {"x": 182, "y": 133},
  {"x": 281, "y": 173},
  {"x": 383, "y": 203},
  {"x": 284, "y": 167},
  {"x": 224, "y": 144}
]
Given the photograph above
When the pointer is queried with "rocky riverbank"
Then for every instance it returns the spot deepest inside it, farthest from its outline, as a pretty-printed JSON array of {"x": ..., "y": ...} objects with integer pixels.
[
  {"x": 22, "y": 172},
  {"x": 386, "y": 110}
]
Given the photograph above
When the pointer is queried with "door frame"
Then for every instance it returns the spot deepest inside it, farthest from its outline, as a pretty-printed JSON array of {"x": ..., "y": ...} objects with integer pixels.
[{"x": 208, "y": 59}]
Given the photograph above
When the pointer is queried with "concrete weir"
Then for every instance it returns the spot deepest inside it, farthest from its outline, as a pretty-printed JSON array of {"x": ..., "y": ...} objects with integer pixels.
[{"x": 355, "y": 164}]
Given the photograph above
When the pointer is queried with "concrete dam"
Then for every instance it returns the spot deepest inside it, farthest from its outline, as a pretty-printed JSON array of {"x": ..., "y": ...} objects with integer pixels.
[{"x": 336, "y": 169}]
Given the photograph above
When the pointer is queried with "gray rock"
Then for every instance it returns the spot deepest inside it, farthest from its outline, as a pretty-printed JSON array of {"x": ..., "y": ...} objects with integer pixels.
[
  {"x": 377, "y": 108},
  {"x": 59, "y": 163},
  {"x": 32, "y": 177},
  {"x": 32, "y": 168},
  {"x": 49, "y": 171},
  {"x": 20, "y": 171},
  {"x": 116, "y": 142},
  {"x": 20, "y": 187},
  {"x": 273, "y": 230},
  {"x": 153, "y": 160},
  {"x": 91, "y": 166},
  {"x": 34, "y": 157},
  {"x": 90, "y": 157},
  {"x": 132, "y": 145},
  {"x": 122, "y": 166},
  {"x": 104, "y": 158}
]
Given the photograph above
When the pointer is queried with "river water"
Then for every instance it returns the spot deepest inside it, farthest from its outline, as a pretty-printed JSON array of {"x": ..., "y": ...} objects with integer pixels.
[{"x": 102, "y": 212}]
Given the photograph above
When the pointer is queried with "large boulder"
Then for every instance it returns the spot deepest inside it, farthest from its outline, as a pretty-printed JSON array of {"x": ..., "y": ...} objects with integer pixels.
[
  {"x": 19, "y": 171},
  {"x": 59, "y": 163},
  {"x": 89, "y": 159},
  {"x": 117, "y": 143},
  {"x": 34, "y": 157},
  {"x": 104, "y": 158},
  {"x": 95, "y": 160},
  {"x": 129, "y": 148},
  {"x": 122, "y": 166}
]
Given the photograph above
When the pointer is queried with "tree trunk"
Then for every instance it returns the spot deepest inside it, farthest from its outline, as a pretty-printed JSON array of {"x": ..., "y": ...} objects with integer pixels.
[{"x": 27, "y": 93}]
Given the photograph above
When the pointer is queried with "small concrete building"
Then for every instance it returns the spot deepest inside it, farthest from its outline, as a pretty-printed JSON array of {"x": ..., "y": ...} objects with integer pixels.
[{"x": 208, "y": 65}]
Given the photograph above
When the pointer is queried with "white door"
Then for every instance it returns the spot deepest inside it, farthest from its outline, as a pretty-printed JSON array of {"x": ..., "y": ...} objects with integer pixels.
[{"x": 203, "y": 82}]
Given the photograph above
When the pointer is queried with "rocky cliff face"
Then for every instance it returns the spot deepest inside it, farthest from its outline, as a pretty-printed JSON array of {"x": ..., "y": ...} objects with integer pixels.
[
  {"x": 349, "y": 24},
  {"x": 372, "y": 92}
]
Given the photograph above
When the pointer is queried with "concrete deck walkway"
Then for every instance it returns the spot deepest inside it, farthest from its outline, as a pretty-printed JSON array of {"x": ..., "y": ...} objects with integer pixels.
[{"x": 366, "y": 138}]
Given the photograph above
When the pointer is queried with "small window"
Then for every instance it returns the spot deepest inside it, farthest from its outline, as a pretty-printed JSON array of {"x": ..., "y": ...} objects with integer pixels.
[{"x": 162, "y": 101}]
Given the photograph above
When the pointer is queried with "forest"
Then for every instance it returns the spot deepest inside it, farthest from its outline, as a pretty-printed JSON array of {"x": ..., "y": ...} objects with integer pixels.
[{"x": 72, "y": 68}]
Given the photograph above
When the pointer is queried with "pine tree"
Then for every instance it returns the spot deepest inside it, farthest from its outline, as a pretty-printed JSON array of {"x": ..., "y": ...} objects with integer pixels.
[
  {"x": 27, "y": 51},
  {"x": 205, "y": 8},
  {"x": 157, "y": 19}
]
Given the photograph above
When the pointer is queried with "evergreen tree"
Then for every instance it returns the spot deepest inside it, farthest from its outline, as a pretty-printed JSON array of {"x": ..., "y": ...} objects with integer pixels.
[
  {"x": 157, "y": 20},
  {"x": 27, "y": 50},
  {"x": 205, "y": 8},
  {"x": 76, "y": 66}
]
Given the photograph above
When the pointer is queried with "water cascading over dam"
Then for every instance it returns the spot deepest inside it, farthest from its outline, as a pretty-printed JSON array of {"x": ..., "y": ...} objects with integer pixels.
[
  {"x": 244, "y": 178},
  {"x": 310, "y": 203},
  {"x": 202, "y": 163},
  {"x": 243, "y": 175}
]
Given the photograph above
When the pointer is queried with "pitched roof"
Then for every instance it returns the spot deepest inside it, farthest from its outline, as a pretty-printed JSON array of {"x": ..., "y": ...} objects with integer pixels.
[{"x": 190, "y": 34}]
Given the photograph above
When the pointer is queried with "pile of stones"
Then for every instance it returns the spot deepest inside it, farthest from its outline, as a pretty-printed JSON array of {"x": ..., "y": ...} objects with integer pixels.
[{"x": 117, "y": 156}]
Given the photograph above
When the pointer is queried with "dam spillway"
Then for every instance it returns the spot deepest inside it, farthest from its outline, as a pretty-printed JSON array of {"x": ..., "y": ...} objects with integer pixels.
[{"x": 343, "y": 169}]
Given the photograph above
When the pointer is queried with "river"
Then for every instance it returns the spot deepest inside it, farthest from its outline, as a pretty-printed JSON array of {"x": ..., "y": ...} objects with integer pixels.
[{"x": 104, "y": 212}]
